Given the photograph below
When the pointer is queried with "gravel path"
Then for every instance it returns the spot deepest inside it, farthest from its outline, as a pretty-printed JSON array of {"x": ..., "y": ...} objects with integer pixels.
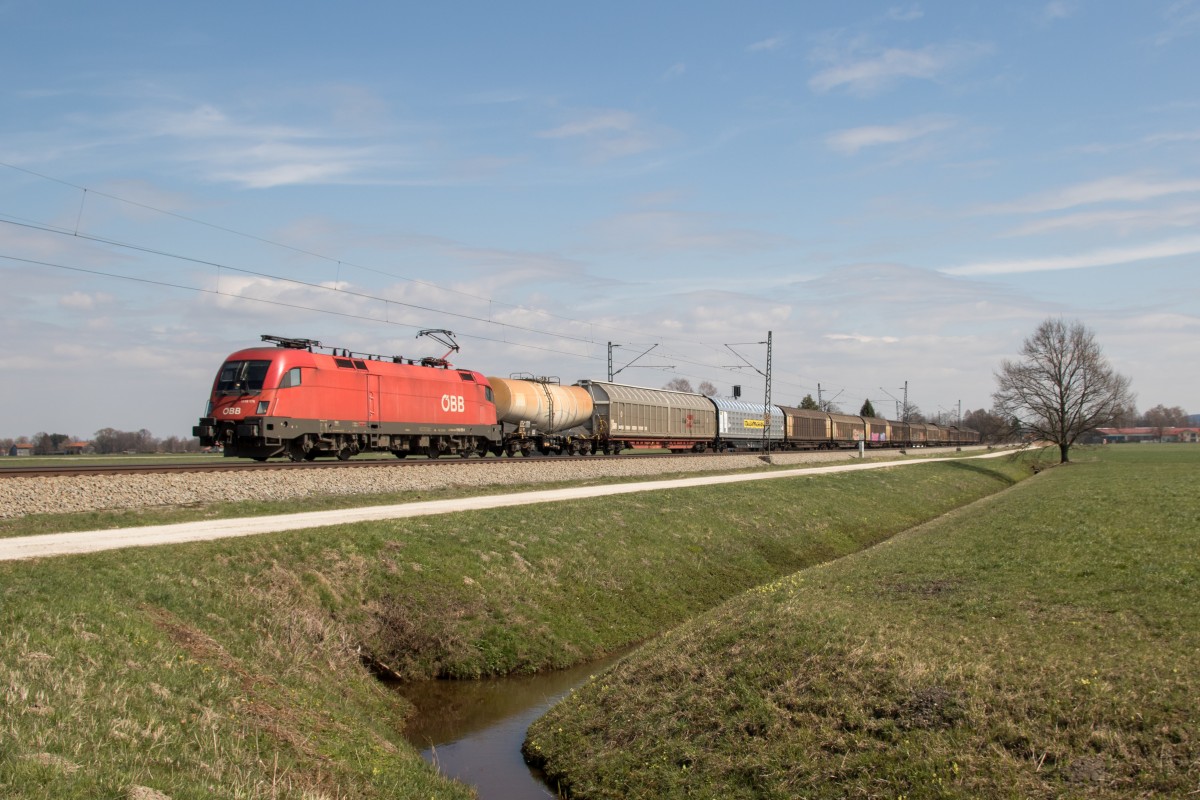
[{"x": 22, "y": 496}]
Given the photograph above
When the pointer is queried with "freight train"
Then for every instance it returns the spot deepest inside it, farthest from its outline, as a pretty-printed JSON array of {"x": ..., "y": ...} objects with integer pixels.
[{"x": 289, "y": 399}]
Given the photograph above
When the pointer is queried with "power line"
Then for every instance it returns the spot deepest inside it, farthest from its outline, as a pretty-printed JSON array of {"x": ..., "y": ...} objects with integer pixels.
[
  {"x": 75, "y": 233},
  {"x": 263, "y": 240}
]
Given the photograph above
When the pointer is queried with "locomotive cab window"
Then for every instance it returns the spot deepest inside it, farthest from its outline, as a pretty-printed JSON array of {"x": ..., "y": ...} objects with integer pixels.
[
  {"x": 290, "y": 378},
  {"x": 242, "y": 377}
]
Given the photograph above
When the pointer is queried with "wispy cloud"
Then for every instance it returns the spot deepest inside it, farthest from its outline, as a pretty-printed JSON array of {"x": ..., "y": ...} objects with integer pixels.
[
  {"x": 664, "y": 231},
  {"x": 766, "y": 45},
  {"x": 1182, "y": 18},
  {"x": 866, "y": 76},
  {"x": 851, "y": 140},
  {"x": 858, "y": 338},
  {"x": 1117, "y": 189},
  {"x": 606, "y": 133},
  {"x": 908, "y": 13},
  {"x": 1175, "y": 137},
  {"x": 676, "y": 70},
  {"x": 1059, "y": 9},
  {"x": 593, "y": 123},
  {"x": 1124, "y": 221},
  {"x": 1105, "y": 257}
]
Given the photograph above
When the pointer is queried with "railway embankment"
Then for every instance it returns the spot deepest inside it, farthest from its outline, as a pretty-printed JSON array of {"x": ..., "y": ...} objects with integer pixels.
[
  {"x": 76, "y": 494},
  {"x": 244, "y": 667}
]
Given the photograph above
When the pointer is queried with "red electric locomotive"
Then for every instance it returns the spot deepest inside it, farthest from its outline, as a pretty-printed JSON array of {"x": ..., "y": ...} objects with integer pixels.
[{"x": 290, "y": 400}]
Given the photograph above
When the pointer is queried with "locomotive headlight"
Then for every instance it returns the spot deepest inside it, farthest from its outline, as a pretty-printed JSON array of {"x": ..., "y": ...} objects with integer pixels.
[{"x": 262, "y": 407}]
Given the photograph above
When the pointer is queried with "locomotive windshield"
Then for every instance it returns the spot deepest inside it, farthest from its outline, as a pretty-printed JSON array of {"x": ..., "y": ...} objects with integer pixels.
[{"x": 242, "y": 377}]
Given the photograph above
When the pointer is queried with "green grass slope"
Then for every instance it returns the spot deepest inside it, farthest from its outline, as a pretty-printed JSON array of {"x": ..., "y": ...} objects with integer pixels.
[
  {"x": 235, "y": 668},
  {"x": 1044, "y": 642}
]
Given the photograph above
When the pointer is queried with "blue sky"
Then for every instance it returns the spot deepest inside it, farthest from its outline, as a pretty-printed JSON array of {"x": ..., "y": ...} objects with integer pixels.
[{"x": 899, "y": 192}]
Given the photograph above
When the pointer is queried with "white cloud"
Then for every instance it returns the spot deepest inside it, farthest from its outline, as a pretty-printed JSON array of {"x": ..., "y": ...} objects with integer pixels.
[
  {"x": 593, "y": 123},
  {"x": 766, "y": 45},
  {"x": 867, "y": 76},
  {"x": 82, "y": 301},
  {"x": 1185, "y": 137},
  {"x": 1059, "y": 9},
  {"x": 1122, "y": 188},
  {"x": 1104, "y": 257},
  {"x": 676, "y": 70},
  {"x": 606, "y": 134},
  {"x": 662, "y": 231},
  {"x": 858, "y": 338},
  {"x": 1121, "y": 221},
  {"x": 905, "y": 13},
  {"x": 852, "y": 140},
  {"x": 1182, "y": 18}
]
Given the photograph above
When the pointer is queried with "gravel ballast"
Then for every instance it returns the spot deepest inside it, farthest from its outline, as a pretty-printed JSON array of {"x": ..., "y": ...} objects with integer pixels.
[{"x": 63, "y": 495}]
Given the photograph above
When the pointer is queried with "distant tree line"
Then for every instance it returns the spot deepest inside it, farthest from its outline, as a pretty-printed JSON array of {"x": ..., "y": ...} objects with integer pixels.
[{"x": 105, "y": 441}]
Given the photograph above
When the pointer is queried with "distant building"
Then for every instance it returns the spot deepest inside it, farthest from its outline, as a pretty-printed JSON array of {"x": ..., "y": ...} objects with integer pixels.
[
  {"x": 76, "y": 448},
  {"x": 1144, "y": 434},
  {"x": 21, "y": 450}
]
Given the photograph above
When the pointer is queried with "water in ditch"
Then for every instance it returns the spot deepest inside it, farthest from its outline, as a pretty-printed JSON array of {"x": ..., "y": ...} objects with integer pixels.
[{"x": 473, "y": 730}]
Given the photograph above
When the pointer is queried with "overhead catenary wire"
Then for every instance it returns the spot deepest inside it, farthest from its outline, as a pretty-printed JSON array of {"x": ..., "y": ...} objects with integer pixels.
[{"x": 76, "y": 232}]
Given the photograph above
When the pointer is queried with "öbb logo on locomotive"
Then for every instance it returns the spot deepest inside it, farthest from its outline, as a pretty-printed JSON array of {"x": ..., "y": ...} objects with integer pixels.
[{"x": 311, "y": 403}]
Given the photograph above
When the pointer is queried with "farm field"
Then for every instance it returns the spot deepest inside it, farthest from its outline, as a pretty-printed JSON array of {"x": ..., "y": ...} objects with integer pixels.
[
  {"x": 236, "y": 668},
  {"x": 1042, "y": 642}
]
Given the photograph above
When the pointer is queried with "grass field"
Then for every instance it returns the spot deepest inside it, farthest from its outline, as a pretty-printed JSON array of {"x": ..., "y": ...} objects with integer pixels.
[
  {"x": 1044, "y": 642},
  {"x": 234, "y": 668}
]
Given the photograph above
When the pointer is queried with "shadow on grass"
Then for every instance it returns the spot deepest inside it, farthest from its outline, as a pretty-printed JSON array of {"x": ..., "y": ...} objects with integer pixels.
[{"x": 1030, "y": 461}]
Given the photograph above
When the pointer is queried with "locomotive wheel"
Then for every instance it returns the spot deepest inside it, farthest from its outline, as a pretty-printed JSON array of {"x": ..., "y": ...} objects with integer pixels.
[
  {"x": 344, "y": 454},
  {"x": 295, "y": 451}
]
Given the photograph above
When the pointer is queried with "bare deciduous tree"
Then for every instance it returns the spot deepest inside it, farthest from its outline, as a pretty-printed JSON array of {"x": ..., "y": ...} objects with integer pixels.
[
  {"x": 1062, "y": 387},
  {"x": 1160, "y": 418},
  {"x": 991, "y": 427}
]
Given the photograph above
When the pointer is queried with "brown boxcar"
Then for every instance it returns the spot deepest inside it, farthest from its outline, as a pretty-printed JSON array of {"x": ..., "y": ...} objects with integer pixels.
[
  {"x": 879, "y": 432},
  {"x": 847, "y": 431},
  {"x": 805, "y": 429}
]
